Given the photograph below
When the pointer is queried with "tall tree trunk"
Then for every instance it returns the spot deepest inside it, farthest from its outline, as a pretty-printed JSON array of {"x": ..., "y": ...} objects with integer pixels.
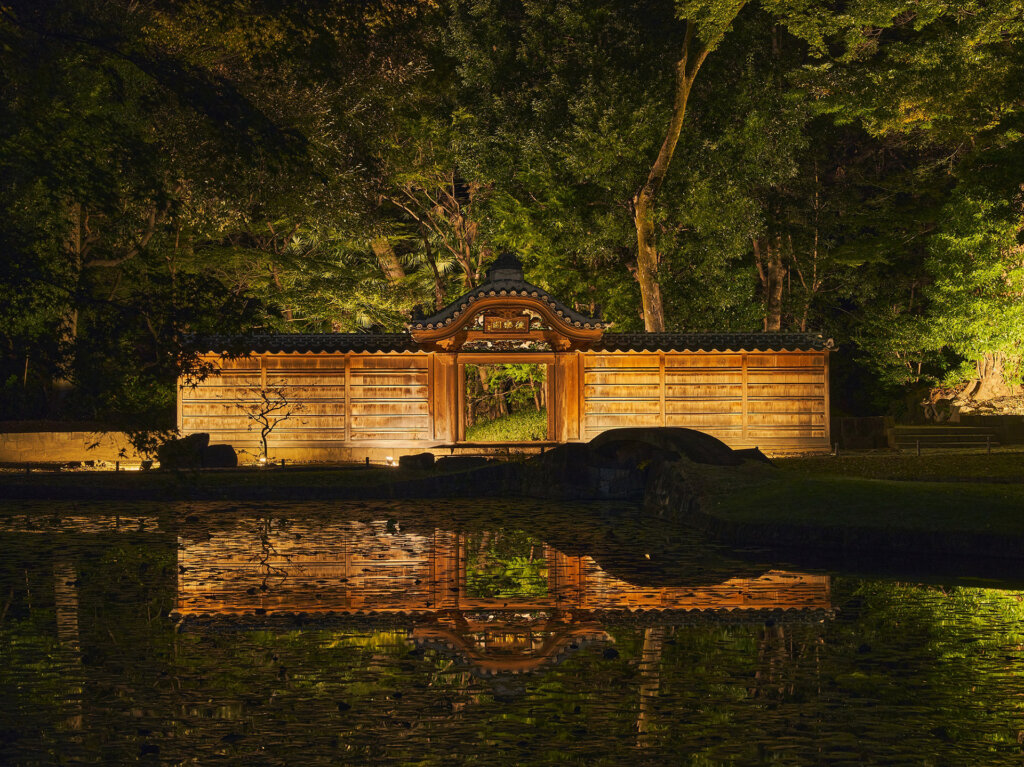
[
  {"x": 648, "y": 259},
  {"x": 772, "y": 270},
  {"x": 75, "y": 248},
  {"x": 994, "y": 378},
  {"x": 439, "y": 296},
  {"x": 647, "y": 263},
  {"x": 387, "y": 259}
]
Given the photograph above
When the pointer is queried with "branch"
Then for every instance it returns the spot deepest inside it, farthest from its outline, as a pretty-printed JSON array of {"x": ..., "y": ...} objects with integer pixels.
[{"x": 134, "y": 249}]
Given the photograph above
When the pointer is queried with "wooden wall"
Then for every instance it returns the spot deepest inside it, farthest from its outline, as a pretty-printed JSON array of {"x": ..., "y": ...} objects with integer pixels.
[
  {"x": 352, "y": 403},
  {"x": 772, "y": 400},
  {"x": 342, "y": 400}
]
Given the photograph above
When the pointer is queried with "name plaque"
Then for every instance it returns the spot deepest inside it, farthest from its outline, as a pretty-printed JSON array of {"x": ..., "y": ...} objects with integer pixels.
[{"x": 505, "y": 324}]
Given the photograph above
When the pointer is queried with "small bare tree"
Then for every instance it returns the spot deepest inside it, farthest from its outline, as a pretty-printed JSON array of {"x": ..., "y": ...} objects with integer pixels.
[{"x": 268, "y": 407}]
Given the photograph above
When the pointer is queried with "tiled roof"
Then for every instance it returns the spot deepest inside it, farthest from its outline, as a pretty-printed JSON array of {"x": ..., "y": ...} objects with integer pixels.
[
  {"x": 266, "y": 343},
  {"x": 711, "y": 342},
  {"x": 288, "y": 620},
  {"x": 504, "y": 278},
  {"x": 306, "y": 342}
]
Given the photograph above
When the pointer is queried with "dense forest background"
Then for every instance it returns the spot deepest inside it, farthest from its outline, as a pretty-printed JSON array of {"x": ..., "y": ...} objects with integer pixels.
[{"x": 172, "y": 167}]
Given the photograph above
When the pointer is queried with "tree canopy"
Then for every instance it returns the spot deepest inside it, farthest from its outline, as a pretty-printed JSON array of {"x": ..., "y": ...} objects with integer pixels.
[{"x": 175, "y": 168}]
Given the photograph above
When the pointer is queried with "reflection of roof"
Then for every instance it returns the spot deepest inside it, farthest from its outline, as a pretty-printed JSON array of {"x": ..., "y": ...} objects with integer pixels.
[
  {"x": 288, "y": 620},
  {"x": 306, "y": 342},
  {"x": 557, "y": 644},
  {"x": 505, "y": 278},
  {"x": 711, "y": 342}
]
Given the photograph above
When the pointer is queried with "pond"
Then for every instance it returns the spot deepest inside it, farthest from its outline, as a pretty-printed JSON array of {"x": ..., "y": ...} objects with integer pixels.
[{"x": 477, "y": 632}]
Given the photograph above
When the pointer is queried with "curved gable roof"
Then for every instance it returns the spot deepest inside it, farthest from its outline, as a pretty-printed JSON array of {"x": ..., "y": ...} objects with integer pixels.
[{"x": 505, "y": 279}]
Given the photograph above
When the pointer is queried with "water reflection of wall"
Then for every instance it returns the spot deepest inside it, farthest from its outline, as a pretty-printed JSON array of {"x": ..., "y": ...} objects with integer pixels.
[{"x": 261, "y": 566}]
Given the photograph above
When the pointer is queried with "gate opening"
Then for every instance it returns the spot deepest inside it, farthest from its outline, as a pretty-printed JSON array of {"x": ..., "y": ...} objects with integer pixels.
[{"x": 506, "y": 402}]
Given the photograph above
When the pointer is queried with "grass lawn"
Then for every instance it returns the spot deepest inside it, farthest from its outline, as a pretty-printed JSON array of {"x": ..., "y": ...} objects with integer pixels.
[
  {"x": 1003, "y": 465},
  {"x": 796, "y": 498},
  {"x": 528, "y": 426},
  {"x": 937, "y": 492}
]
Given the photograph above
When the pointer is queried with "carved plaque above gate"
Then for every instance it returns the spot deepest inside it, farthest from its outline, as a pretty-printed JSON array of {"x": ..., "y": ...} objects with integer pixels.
[{"x": 504, "y": 322}]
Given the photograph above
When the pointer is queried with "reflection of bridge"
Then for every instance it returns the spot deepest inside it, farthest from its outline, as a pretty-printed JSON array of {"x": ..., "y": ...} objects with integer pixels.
[{"x": 260, "y": 569}]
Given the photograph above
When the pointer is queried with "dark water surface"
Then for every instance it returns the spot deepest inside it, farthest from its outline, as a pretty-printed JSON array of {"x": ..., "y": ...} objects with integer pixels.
[{"x": 476, "y": 632}]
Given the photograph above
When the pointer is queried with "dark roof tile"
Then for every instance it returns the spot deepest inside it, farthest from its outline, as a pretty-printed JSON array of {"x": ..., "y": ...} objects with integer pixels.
[
  {"x": 709, "y": 342},
  {"x": 267, "y": 343}
]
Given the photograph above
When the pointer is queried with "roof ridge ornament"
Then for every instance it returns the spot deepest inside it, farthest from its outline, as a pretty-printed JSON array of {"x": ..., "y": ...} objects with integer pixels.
[{"x": 506, "y": 267}]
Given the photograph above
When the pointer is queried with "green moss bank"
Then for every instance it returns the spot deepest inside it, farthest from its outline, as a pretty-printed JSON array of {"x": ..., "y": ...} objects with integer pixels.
[{"x": 783, "y": 509}]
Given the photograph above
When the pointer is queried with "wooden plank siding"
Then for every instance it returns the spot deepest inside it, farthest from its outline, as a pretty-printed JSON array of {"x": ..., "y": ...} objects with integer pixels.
[
  {"x": 773, "y": 400},
  {"x": 350, "y": 401},
  {"x": 341, "y": 399}
]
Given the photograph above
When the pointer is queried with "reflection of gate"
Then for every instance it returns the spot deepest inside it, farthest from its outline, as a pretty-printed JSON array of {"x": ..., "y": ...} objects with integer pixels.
[{"x": 565, "y": 585}]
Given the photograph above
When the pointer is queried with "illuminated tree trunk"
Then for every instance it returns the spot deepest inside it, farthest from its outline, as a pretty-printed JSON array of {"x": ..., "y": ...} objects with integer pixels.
[
  {"x": 75, "y": 248},
  {"x": 387, "y": 259},
  {"x": 439, "y": 296},
  {"x": 998, "y": 376},
  {"x": 648, "y": 260},
  {"x": 772, "y": 270}
]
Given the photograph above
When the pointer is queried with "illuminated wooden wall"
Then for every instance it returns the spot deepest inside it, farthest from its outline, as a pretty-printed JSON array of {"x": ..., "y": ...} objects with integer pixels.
[
  {"x": 355, "y": 404},
  {"x": 774, "y": 400}
]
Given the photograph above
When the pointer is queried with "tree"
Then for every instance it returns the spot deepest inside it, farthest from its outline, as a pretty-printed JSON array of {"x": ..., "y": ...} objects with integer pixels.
[
  {"x": 267, "y": 407},
  {"x": 977, "y": 292},
  {"x": 706, "y": 25},
  {"x": 158, "y": 182}
]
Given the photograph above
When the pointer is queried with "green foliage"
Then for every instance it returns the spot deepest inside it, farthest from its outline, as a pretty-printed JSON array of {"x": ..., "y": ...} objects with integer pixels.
[
  {"x": 506, "y": 402},
  {"x": 170, "y": 169},
  {"x": 527, "y": 426},
  {"x": 977, "y": 267},
  {"x": 505, "y": 563}
]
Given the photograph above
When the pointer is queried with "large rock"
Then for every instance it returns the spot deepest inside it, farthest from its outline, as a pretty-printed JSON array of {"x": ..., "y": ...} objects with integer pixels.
[
  {"x": 460, "y": 462},
  {"x": 219, "y": 457},
  {"x": 183, "y": 453},
  {"x": 577, "y": 472},
  {"x": 695, "y": 445},
  {"x": 419, "y": 461},
  {"x": 753, "y": 454},
  {"x": 632, "y": 453}
]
